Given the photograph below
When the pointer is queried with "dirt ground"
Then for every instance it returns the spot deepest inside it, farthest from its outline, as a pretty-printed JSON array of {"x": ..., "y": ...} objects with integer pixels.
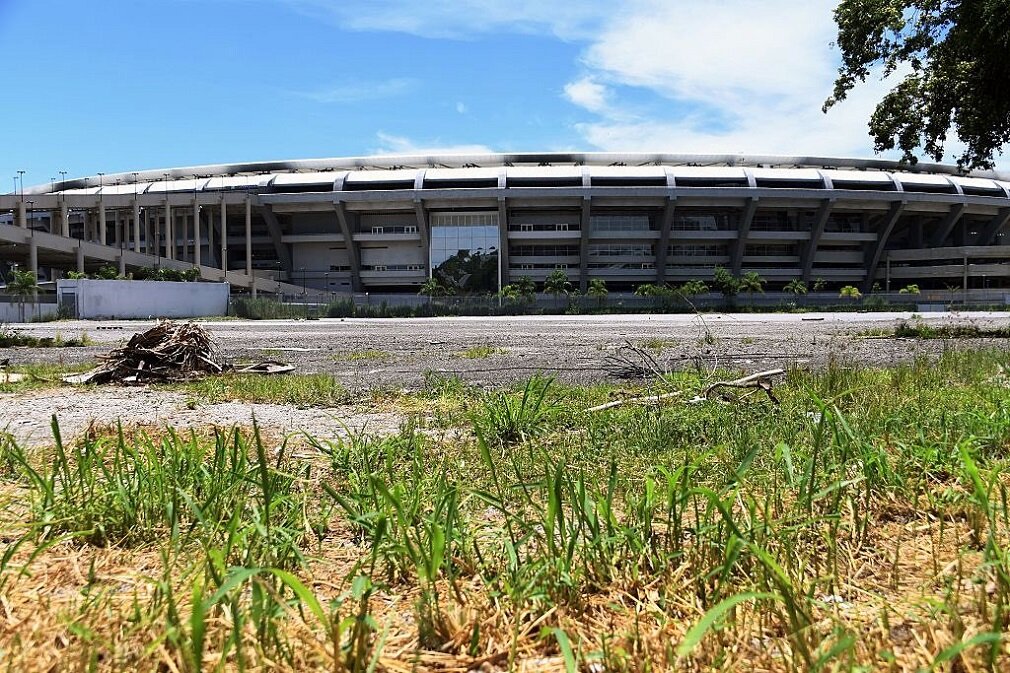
[
  {"x": 370, "y": 354},
  {"x": 375, "y": 353}
]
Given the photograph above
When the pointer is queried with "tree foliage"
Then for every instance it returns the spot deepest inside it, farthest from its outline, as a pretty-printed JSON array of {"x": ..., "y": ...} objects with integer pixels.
[
  {"x": 557, "y": 283},
  {"x": 796, "y": 287},
  {"x": 951, "y": 56},
  {"x": 725, "y": 282}
]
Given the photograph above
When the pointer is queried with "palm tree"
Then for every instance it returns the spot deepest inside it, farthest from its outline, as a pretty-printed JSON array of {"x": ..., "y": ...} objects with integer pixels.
[
  {"x": 598, "y": 288},
  {"x": 850, "y": 292},
  {"x": 752, "y": 282},
  {"x": 796, "y": 287},
  {"x": 557, "y": 283},
  {"x": 23, "y": 284}
]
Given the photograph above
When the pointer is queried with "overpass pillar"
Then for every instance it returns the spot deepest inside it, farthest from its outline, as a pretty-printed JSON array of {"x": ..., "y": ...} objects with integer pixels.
[
  {"x": 22, "y": 217},
  {"x": 79, "y": 253},
  {"x": 122, "y": 264},
  {"x": 64, "y": 219},
  {"x": 33, "y": 257}
]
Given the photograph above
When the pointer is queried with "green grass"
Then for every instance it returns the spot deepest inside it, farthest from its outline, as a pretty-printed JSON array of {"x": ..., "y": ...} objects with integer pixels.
[
  {"x": 657, "y": 344},
  {"x": 923, "y": 330},
  {"x": 364, "y": 355},
  {"x": 41, "y": 375},
  {"x": 10, "y": 338},
  {"x": 302, "y": 390},
  {"x": 481, "y": 352},
  {"x": 861, "y": 524}
]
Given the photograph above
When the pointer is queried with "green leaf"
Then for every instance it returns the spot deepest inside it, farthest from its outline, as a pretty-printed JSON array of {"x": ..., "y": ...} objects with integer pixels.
[
  {"x": 697, "y": 632},
  {"x": 571, "y": 663}
]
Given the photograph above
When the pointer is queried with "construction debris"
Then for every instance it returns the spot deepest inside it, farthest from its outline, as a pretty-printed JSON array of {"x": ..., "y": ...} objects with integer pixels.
[
  {"x": 167, "y": 352},
  {"x": 266, "y": 367},
  {"x": 631, "y": 362}
]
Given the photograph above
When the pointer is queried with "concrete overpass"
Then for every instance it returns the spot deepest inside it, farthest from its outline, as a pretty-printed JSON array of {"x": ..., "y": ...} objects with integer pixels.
[{"x": 127, "y": 234}]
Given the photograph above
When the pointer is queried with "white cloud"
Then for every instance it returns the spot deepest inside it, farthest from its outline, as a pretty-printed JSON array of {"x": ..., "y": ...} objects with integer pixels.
[
  {"x": 461, "y": 107},
  {"x": 356, "y": 92},
  {"x": 463, "y": 19},
  {"x": 588, "y": 93},
  {"x": 393, "y": 144},
  {"x": 752, "y": 74}
]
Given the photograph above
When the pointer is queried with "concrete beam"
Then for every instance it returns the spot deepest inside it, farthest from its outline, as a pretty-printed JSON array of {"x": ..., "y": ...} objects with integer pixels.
[
  {"x": 669, "y": 211},
  {"x": 353, "y": 253},
  {"x": 816, "y": 231},
  {"x": 743, "y": 233},
  {"x": 876, "y": 252},
  {"x": 276, "y": 233},
  {"x": 988, "y": 234},
  {"x": 947, "y": 225}
]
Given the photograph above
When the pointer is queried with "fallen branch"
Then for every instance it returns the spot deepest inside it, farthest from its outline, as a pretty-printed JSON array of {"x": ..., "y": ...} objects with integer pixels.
[
  {"x": 648, "y": 399},
  {"x": 760, "y": 380}
]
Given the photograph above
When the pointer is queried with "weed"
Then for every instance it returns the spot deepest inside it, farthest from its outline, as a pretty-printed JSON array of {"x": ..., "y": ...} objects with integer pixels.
[{"x": 481, "y": 352}]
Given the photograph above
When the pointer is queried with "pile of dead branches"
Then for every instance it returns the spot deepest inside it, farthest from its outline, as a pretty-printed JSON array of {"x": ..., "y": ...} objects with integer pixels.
[{"x": 167, "y": 352}]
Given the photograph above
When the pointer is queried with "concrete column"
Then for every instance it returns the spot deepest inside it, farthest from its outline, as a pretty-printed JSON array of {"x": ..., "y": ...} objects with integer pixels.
[
  {"x": 22, "y": 216},
  {"x": 136, "y": 225},
  {"x": 150, "y": 224},
  {"x": 584, "y": 224},
  {"x": 33, "y": 257},
  {"x": 662, "y": 249},
  {"x": 183, "y": 221},
  {"x": 210, "y": 233},
  {"x": 196, "y": 232},
  {"x": 64, "y": 219},
  {"x": 224, "y": 236},
  {"x": 169, "y": 232},
  {"x": 248, "y": 246},
  {"x": 122, "y": 264},
  {"x": 503, "y": 244},
  {"x": 102, "y": 225},
  {"x": 79, "y": 253}
]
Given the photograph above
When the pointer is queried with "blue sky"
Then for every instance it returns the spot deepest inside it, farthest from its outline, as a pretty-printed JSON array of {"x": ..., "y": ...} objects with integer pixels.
[{"x": 120, "y": 85}]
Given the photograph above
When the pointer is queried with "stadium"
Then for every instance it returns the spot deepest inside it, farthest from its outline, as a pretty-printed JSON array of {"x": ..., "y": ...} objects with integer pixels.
[{"x": 478, "y": 222}]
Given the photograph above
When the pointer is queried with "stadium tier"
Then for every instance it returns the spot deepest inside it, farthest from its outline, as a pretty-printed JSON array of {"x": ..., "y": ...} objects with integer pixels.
[{"x": 389, "y": 223}]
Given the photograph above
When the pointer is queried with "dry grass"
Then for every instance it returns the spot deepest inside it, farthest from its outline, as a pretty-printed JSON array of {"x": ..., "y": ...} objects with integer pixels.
[{"x": 860, "y": 526}]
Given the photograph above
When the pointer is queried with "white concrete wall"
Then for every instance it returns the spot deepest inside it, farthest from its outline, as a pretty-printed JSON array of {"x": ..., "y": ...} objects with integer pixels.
[
  {"x": 318, "y": 256},
  {"x": 144, "y": 298},
  {"x": 11, "y": 312}
]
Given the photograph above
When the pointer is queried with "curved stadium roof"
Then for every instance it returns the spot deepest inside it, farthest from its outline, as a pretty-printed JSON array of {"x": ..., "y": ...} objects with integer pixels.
[{"x": 501, "y": 170}]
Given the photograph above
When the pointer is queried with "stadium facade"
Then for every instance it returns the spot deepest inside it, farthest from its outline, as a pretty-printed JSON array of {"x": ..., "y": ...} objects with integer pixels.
[{"x": 388, "y": 223}]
